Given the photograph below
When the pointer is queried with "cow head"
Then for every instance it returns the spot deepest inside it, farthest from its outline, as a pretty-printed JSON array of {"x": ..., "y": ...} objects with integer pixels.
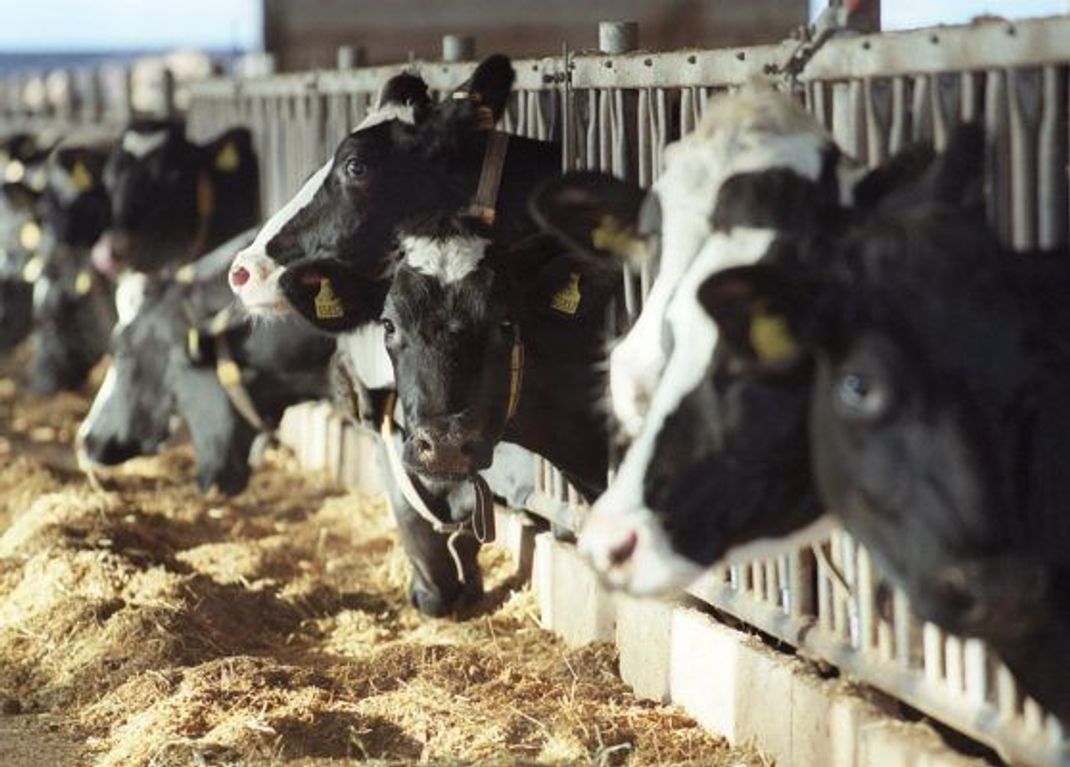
[
  {"x": 165, "y": 191},
  {"x": 71, "y": 318},
  {"x": 450, "y": 336},
  {"x": 720, "y": 461},
  {"x": 328, "y": 252}
]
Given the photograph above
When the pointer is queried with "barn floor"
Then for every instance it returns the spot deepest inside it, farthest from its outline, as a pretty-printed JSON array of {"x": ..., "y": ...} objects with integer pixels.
[{"x": 147, "y": 625}]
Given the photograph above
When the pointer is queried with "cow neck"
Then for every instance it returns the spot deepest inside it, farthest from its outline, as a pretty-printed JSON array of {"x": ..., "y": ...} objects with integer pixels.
[{"x": 479, "y": 525}]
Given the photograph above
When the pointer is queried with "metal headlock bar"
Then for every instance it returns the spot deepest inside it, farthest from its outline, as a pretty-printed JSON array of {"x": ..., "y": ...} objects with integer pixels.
[{"x": 875, "y": 93}]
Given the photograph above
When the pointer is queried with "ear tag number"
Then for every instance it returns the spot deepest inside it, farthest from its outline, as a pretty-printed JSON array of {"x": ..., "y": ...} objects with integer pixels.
[
  {"x": 83, "y": 283},
  {"x": 227, "y": 159},
  {"x": 611, "y": 236},
  {"x": 81, "y": 177},
  {"x": 14, "y": 172},
  {"x": 770, "y": 337},
  {"x": 30, "y": 235},
  {"x": 567, "y": 299},
  {"x": 327, "y": 304},
  {"x": 33, "y": 268}
]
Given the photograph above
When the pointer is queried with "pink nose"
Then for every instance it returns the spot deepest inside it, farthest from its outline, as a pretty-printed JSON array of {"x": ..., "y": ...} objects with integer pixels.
[
  {"x": 239, "y": 276},
  {"x": 623, "y": 551}
]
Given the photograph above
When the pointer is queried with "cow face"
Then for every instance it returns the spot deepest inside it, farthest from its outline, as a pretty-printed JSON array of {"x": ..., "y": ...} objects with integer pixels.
[
  {"x": 152, "y": 176},
  {"x": 755, "y": 131},
  {"x": 327, "y": 253},
  {"x": 131, "y": 412},
  {"x": 450, "y": 338}
]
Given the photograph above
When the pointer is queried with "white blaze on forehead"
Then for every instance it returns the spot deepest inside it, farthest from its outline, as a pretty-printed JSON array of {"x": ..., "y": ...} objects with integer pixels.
[
  {"x": 129, "y": 296},
  {"x": 140, "y": 144},
  {"x": 753, "y": 131},
  {"x": 296, "y": 204},
  {"x": 449, "y": 259},
  {"x": 621, "y": 508}
]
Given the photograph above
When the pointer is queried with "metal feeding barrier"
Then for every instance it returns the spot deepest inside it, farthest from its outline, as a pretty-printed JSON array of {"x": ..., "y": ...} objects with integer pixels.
[{"x": 616, "y": 110}]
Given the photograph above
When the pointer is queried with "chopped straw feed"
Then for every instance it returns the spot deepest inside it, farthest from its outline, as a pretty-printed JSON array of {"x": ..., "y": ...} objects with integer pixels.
[{"x": 146, "y": 624}]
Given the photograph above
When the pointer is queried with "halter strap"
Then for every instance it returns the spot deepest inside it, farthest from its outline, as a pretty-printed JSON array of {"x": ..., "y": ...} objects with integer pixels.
[{"x": 485, "y": 202}]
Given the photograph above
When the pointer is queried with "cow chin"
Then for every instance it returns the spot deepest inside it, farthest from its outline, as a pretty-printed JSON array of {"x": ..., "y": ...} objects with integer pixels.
[{"x": 631, "y": 552}]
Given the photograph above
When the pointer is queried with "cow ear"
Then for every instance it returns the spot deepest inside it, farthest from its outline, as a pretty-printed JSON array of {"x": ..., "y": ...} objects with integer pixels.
[
  {"x": 406, "y": 90},
  {"x": 332, "y": 295},
  {"x": 595, "y": 216},
  {"x": 758, "y": 312},
  {"x": 478, "y": 104}
]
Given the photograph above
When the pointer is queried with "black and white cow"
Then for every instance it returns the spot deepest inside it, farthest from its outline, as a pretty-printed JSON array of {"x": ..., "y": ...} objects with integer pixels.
[
  {"x": 173, "y": 200},
  {"x": 167, "y": 362},
  {"x": 72, "y": 305},
  {"x": 22, "y": 172},
  {"x": 491, "y": 344},
  {"x": 939, "y": 414},
  {"x": 718, "y": 460},
  {"x": 330, "y": 254}
]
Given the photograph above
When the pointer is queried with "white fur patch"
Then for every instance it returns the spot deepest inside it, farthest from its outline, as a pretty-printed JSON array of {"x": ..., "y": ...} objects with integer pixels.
[
  {"x": 449, "y": 260},
  {"x": 141, "y": 144},
  {"x": 368, "y": 361},
  {"x": 755, "y": 131},
  {"x": 129, "y": 296},
  {"x": 403, "y": 112},
  {"x": 620, "y": 508}
]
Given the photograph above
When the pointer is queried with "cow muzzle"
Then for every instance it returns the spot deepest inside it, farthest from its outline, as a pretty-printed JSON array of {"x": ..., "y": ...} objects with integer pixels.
[
  {"x": 446, "y": 454},
  {"x": 254, "y": 279}
]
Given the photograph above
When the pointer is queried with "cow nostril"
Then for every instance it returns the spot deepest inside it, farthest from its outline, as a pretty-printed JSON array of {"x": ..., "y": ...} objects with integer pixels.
[
  {"x": 423, "y": 446},
  {"x": 239, "y": 276},
  {"x": 623, "y": 551}
]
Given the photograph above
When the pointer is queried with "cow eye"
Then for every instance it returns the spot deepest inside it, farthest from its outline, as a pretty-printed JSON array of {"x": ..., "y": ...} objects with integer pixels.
[
  {"x": 862, "y": 396},
  {"x": 388, "y": 327},
  {"x": 355, "y": 168}
]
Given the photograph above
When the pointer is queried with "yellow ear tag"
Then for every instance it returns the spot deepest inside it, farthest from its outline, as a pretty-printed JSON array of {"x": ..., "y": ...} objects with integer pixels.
[
  {"x": 327, "y": 305},
  {"x": 228, "y": 160},
  {"x": 611, "y": 236},
  {"x": 14, "y": 172},
  {"x": 83, "y": 283},
  {"x": 771, "y": 339},
  {"x": 30, "y": 235},
  {"x": 81, "y": 177},
  {"x": 33, "y": 268},
  {"x": 567, "y": 299},
  {"x": 193, "y": 344}
]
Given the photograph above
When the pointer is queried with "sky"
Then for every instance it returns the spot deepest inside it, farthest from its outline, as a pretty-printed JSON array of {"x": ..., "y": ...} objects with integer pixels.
[
  {"x": 94, "y": 25},
  {"x": 82, "y": 25}
]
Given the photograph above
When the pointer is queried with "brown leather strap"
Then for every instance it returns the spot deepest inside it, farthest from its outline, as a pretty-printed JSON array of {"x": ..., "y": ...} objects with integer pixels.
[
  {"x": 229, "y": 374},
  {"x": 484, "y": 204}
]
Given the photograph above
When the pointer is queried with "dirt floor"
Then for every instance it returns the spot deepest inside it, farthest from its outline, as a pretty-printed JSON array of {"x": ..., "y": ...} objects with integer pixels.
[{"x": 145, "y": 624}]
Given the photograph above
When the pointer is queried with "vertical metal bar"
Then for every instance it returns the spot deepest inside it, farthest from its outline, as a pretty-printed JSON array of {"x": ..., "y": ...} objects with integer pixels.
[
  {"x": 947, "y": 99},
  {"x": 998, "y": 161},
  {"x": 878, "y": 105},
  {"x": 922, "y": 109},
  {"x": 1024, "y": 100},
  {"x": 1052, "y": 161},
  {"x": 899, "y": 128}
]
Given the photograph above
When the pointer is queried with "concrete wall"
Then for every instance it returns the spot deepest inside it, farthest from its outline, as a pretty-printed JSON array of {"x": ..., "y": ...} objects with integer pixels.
[{"x": 306, "y": 33}]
